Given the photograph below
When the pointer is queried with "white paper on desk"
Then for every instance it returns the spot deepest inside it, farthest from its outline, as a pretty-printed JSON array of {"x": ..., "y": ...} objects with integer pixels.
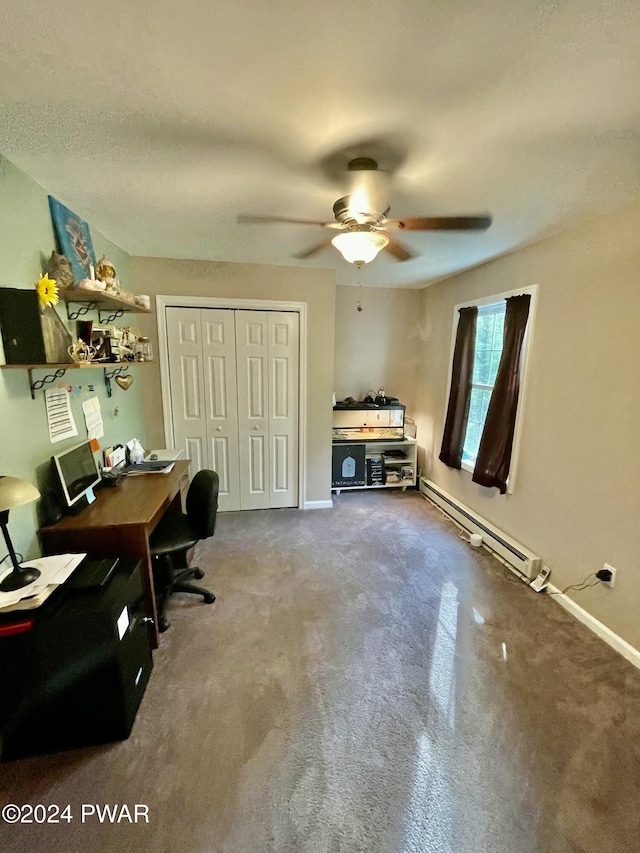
[
  {"x": 59, "y": 415},
  {"x": 93, "y": 418},
  {"x": 168, "y": 467},
  {"x": 53, "y": 571}
]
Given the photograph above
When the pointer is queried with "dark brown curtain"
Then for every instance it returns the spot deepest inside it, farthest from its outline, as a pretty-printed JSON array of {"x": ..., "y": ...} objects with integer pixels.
[
  {"x": 496, "y": 443},
  {"x": 455, "y": 425}
]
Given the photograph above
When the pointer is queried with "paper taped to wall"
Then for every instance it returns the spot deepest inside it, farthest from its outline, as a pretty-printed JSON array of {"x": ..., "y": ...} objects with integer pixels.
[
  {"x": 93, "y": 418},
  {"x": 59, "y": 415}
]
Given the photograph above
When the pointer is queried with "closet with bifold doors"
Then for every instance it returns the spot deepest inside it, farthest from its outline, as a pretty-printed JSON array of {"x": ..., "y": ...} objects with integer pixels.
[{"x": 234, "y": 377}]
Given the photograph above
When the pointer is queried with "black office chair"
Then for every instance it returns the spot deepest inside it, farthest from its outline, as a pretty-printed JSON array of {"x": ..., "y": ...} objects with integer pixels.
[{"x": 176, "y": 534}]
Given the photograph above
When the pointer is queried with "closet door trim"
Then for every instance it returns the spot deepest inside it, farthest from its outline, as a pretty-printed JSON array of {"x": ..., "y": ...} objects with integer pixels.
[{"x": 179, "y": 301}]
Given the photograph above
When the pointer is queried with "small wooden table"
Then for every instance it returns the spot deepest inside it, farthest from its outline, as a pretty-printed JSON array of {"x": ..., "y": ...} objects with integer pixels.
[{"x": 119, "y": 524}]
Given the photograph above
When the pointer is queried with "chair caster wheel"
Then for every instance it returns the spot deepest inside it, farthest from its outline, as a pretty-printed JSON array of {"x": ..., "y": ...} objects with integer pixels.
[
  {"x": 198, "y": 573},
  {"x": 209, "y": 598},
  {"x": 163, "y": 624}
]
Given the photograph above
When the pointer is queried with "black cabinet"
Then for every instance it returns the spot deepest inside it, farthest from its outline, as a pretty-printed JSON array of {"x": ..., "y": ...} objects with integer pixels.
[{"x": 77, "y": 674}]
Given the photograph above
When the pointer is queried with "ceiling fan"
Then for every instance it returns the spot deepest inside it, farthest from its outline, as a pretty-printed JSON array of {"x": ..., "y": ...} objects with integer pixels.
[{"x": 361, "y": 217}]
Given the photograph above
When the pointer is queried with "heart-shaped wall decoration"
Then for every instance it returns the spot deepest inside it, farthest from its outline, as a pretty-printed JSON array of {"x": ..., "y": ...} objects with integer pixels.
[{"x": 124, "y": 382}]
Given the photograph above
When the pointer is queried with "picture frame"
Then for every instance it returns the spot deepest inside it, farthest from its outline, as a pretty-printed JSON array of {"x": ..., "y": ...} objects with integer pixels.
[{"x": 74, "y": 239}]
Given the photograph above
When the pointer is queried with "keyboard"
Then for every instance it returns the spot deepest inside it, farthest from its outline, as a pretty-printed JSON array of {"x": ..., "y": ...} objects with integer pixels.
[
  {"x": 92, "y": 574},
  {"x": 157, "y": 466}
]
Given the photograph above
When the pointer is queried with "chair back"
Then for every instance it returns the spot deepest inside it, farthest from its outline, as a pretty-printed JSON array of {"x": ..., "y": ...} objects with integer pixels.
[{"x": 202, "y": 503}]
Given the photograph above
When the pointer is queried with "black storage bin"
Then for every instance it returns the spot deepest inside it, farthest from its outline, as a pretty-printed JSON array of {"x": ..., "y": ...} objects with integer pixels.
[{"x": 30, "y": 334}]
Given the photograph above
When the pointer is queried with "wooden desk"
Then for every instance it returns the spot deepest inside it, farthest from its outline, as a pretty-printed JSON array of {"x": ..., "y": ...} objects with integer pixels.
[{"x": 119, "y": 524}]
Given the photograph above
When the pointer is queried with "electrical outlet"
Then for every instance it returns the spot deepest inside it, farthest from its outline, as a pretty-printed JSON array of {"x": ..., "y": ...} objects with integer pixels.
[{"x": 612, "y": 582}]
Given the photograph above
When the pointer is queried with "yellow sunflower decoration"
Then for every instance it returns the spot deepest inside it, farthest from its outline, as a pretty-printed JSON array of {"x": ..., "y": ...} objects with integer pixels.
[{"x": 47, "y": 290}]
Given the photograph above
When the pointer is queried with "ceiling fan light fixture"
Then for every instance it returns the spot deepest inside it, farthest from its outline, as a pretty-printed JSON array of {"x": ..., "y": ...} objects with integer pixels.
[{"x": 359, "y": 247}]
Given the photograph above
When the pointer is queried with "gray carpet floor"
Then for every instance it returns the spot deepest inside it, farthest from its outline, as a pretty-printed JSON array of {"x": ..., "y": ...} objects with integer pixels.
[{"x": 365, "y": 682}]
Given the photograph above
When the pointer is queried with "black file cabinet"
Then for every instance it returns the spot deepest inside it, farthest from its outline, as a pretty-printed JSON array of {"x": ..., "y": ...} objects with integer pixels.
[{"x": 77, "y": 675}]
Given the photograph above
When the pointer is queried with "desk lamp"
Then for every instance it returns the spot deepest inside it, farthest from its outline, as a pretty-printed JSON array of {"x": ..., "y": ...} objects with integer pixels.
[{"x": 15, "y": 492}]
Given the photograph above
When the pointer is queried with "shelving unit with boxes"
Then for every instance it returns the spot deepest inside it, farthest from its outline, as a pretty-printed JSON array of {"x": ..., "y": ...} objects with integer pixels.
[{"x": 371, "y": 450}]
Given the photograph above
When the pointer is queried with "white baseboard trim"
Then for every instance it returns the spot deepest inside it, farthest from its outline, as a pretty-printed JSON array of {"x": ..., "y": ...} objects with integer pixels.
[
  {"x": 317, "y": 505},
  {"x": 611, "y": 639}
]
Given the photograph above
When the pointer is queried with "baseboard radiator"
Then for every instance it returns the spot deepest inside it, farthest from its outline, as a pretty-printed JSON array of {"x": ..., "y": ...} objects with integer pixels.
[{"x": 512, "y": 553}]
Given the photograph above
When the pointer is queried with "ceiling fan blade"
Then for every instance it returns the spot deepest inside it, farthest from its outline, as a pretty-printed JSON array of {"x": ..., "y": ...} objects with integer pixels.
[
  {"x": 306, "y": 253},
  {"x": 251, "y": 219},
  {"x": 399, "y": 252},
  {"x": 439, "y": 223}
]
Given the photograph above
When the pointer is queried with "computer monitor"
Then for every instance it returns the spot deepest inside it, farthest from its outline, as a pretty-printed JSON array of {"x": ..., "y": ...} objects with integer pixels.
[{"x": 78, "y": 472}]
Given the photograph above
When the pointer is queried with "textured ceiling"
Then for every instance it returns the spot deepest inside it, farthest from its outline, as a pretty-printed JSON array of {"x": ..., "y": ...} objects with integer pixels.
[{"x": 159, "y": 122}]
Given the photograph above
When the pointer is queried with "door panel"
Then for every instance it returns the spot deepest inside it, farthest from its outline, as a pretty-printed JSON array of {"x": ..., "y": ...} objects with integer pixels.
[
  {"x": 257, "y": 484},
  {"x": 254, "y": 331},
  {"x": 187, "y": 384},
  {"x": 216, "y": 390},
  {"x": 188, "y": 328},
  {"x": 280, "y": 463},
  {"x": 283, "y": 408},
  {"x": 256, "y": 397},
  {"x": 253, "y": 425},
  {"x": 280, "y": 382},
  {"x": 219, "y": 352},
  {"x": 196, "y": 452},
  {"x": 192, "y": 394},
  {"x": 202, "y": 362},
  {"x": 219, "y": 455}
]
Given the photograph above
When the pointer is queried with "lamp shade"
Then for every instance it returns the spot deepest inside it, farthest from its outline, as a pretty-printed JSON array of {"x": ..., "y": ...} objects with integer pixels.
[
  {"x": 359, "y": 247},
  {"x": 15, "y": 492}
]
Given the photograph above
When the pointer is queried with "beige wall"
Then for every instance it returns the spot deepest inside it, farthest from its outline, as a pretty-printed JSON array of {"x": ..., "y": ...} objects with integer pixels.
[
  {"x": 378, "y": 345},
  {"x": 577, "y": 496},
  {"x": 315, "y": 287}
]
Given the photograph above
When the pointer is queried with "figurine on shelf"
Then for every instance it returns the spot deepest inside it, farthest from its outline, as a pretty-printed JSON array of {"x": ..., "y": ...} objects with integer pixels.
[
  {"x": 81, "y": 352},
  {"x": 143, "y": 301},
  {"x": 126, "y": 342},
  {"x": 106, "y": 272},
  {"x": 60, "y": 270}
]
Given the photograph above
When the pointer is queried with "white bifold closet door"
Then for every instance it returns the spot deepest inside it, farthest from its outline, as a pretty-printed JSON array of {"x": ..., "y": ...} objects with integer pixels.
[{"x": 234, "y": 395}]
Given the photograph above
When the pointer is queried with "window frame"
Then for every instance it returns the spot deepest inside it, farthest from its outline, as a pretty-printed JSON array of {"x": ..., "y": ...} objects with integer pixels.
[
  {"x": 498, "y": 307},
  {"x": 527, "y": 347}
]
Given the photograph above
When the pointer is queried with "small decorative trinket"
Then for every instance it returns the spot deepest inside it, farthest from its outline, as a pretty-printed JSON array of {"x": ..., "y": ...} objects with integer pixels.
[
  {"x": 124, "y": 382},
  {"x": 81, "y": 352},
  {"x": 106, "y": 272},
  {"x": 61, "y": 271},
  {"x": 144, "y": 351}
]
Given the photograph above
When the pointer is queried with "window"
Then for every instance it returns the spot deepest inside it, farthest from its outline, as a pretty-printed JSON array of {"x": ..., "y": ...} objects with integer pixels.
[
  {"x": 462, "y": 434},
  {"x": 489, "y": 334}
]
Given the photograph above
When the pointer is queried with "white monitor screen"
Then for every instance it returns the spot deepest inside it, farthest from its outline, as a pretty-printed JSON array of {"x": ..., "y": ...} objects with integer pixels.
[{"x": 77, "y": 470}]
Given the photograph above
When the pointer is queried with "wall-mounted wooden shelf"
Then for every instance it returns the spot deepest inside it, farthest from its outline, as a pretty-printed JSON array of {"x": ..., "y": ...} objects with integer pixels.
[
  {"x": 110, "y": 368},
  {"x": 105, "y": 303}
]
